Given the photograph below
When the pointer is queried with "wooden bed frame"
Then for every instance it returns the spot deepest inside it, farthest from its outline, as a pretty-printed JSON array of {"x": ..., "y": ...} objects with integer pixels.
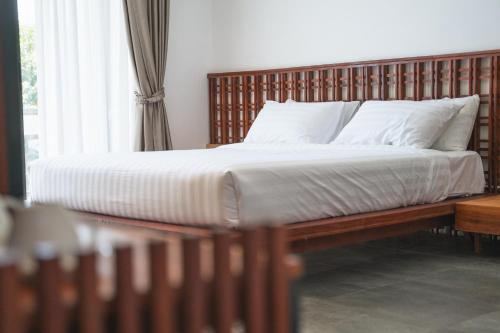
[{"x": 237, "y": 97}]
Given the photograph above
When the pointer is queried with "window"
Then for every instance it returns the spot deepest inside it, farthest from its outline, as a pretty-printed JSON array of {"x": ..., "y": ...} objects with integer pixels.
[
  {"x": 29, "y": 83},
  {"x": 77, "y": 78}
]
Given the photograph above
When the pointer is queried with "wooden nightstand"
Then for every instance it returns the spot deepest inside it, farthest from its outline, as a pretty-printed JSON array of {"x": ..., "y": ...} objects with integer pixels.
[
  {"x": 213, "y": 145},
  {"x": 479, "y": 216}
]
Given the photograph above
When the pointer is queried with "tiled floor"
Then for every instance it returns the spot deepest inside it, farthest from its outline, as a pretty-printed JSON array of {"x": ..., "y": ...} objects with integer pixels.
[{"x": 420, "y": 283}]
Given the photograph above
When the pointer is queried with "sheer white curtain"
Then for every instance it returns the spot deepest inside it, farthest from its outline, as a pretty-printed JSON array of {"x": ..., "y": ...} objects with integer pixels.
[{"x": 85, "y": 81}]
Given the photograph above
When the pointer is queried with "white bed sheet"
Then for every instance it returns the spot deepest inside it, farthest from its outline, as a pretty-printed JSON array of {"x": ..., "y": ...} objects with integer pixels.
[{"x": 244, "y": 184}]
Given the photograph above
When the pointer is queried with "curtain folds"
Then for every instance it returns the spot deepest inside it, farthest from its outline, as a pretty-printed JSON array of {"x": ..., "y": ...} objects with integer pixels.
[
  {"x": 85, "y": 77},
  {"x": 147, "y": 29}
]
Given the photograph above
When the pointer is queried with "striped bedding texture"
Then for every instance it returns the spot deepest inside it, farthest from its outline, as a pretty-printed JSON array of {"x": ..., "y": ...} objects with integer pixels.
[{"x": 243, "y": 184}]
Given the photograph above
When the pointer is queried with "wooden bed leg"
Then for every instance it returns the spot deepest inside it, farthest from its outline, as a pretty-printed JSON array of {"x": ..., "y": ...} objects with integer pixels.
[{"x": 477, "y": 244}]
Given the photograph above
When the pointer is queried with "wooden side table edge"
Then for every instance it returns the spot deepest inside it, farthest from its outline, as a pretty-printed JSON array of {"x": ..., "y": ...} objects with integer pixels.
[{"x": 468, "y": 220}]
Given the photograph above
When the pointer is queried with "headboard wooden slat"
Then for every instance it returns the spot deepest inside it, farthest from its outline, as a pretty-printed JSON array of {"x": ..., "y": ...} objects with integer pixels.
[{"x": 237, "y": 97}]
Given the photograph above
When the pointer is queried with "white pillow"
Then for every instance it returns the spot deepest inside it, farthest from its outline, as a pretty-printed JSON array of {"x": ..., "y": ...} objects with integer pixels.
[
  {"x": 349, "y": 110},
  {"x": 457, "y": 135},
  {"x": 297, "y": 123},
  {"x": 415, "y": 124}
]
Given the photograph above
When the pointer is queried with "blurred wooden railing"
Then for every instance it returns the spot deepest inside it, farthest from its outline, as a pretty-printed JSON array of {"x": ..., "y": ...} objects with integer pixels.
[{"x": 248, "y": 288}]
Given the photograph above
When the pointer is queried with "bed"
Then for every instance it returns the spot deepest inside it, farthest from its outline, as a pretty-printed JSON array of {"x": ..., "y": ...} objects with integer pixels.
[
  {"x": 231, "y": 185},
  {"x": 241, "y": 185}
]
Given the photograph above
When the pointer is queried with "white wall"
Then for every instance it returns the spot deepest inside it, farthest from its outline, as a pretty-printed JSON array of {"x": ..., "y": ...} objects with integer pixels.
[
  {"x": 252, "y": 34},
  {"x": 188, "y": 61},
  {"x": 220, "y": 35}
]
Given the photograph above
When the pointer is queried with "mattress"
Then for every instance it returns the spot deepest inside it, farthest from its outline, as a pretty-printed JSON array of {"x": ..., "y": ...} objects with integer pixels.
[{"x": 245, "y": 184}]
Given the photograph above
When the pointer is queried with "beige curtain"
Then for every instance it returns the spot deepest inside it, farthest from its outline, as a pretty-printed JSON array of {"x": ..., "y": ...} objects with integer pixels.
[{"x": 147, "y": 30}]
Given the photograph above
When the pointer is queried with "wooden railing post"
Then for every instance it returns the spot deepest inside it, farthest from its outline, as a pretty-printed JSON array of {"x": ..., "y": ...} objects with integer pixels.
[
  {"x": 253, "y": 283},
  {"x": 223, "y": 284},
  {"x": 9, "y": 287},
  {"x": 49, "y": 305},
  {"x": 90, "y": 316},
  {"x": 127, "y": 311},
  {"x": 278, "y": 280},
  {"x": 162, "y": 318},
  {"x": 193, "y": 294}
]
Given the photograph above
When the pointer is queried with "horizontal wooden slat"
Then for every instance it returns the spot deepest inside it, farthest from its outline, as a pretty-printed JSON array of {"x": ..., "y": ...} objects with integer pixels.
[{"x": 357, "y": 222}]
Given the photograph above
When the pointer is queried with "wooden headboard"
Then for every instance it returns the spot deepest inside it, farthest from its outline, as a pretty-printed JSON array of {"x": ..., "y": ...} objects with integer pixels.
[{"x": 237, "y": 97}]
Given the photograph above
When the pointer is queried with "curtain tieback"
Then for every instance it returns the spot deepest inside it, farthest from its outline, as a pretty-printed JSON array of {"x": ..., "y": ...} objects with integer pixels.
[{"x": 156, "y": 97}]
